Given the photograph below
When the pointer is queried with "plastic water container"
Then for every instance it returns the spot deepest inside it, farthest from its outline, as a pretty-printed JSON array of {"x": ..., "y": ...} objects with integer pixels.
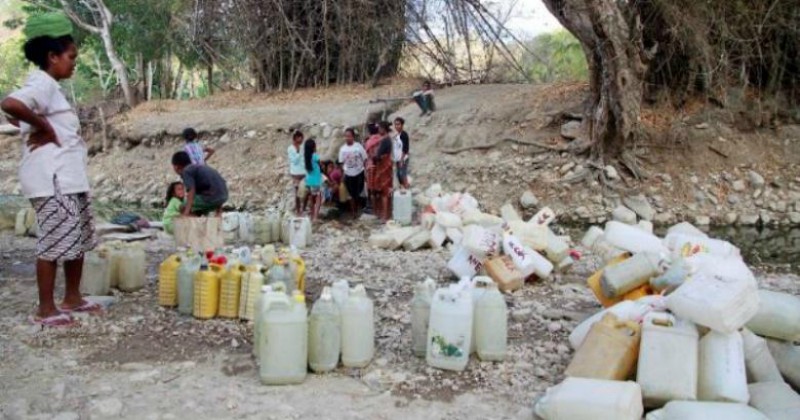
[
  {"x": 206, "y": 291},
  {"x": 758, "y": 361},
  {"x": 280, "y": 273},
  {"x": 674, "y": 276},
  {"x": 258, "y": 325},
  {"x": 283, "y": 342},
  {"x": 628, "y": 310},
  {"x": 729, "y": 268},
  {"x": 667, "y": 368},
  {"x": 262, "y": 234},
  {"x": 230, "y": 290},
  {"x": 297, "y": 267},
  {"x": 591, "y": 399},
  {"x": 480, "y": 242},
  {"x": 503, "y": 271},
  {"x": 609, "y": 351},
  {"x": 686, "y": 228},
  {"x": 509, "y": 213},
  {"x": 273, "y": 217},
  {"x": 402, "y": 207},
  {"x": 340, "y": 290},
  {"x": 607, "y": 252},
  {"x": 420, "y": 315},
  {"x": 132, "y": 269},
  {"x": 556, "y": 248},
  {"x": 324, "y": 334},
  {"x": 527, "y": 260},
  {"x": 450, "y": 329},
  {"x": 268, "y": 254},
  {"x": 358, "y": 329},
  {"x": 190, "y": 265},
  {"x": 776, "y": 400},
  {"x": 632, "y": 239},
  {"x": 722, "y": 304},
  {"x": 591, "y": 236},
  {"x": 448, "y": 220},
  {"x": 722, "y": 374},
  {"x": 683, "y": 245},
  {"x": 464, "y": 264},
  {"x": 252, "y": 280},
  {"x": 491, "y": 324},
  {"x": 300, "y": 232},
  {"x": 594, "y": 283},
  {"x": 531, "y": 235},
  {"x": 96, "y": 275},
  {"x": 778, "y": 316},
  {"x": 417, "y": 240},
  {"x": 787, "y": 357},
  {"x": 168, "y": 281},
  {"x": 695, "y": 410},
  {"x": 628, "y": 275}
]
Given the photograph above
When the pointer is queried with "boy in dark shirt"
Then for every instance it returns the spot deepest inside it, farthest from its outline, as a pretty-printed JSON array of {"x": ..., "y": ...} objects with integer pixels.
[
  {"x": 206, "y": 190},
  {"x": 402, "y": 164}
]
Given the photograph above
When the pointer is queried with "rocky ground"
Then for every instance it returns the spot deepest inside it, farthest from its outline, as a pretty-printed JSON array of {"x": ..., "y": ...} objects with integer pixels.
[{"x": 139, "y": 360}]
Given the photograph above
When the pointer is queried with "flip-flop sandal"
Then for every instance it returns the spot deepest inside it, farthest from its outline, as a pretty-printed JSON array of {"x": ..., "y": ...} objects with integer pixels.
[
  {"x": 59, "y": 320},
  {"x": 86, "y": 306}
]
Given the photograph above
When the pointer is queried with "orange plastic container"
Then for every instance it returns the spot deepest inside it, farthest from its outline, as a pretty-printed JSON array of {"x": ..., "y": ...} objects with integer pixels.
[
  {"x": 594, "y": 283},
  {"x": 503, "y": 271},
  {"x": 609, "y": 351}
]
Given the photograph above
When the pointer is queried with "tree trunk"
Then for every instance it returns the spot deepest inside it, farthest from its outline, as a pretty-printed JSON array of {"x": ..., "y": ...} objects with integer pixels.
[
  {"x": 116, "y": 63},
  {"x": 150, "y": 80},
  {"x": 210, "y": 76},
  {"x": 611, "y": 35}
]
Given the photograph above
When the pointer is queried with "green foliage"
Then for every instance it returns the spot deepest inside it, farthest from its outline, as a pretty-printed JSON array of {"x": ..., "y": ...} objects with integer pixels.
[
  {"x": 556, "y": 56},
  {"x": 13, "y": 66}
]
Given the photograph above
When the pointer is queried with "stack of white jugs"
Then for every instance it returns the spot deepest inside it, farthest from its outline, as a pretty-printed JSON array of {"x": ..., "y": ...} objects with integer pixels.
[
  {"x": 287, "y": 341},
  {"x": 456, "y": 218},
  {"x": 450, "y": 323},
  {"x": 266, "y": 228},
  {"x": 700, "y": 354}
]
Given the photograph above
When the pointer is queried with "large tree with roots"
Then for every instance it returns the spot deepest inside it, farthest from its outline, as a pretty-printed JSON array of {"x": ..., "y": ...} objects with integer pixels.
[{"x": 635, "y": 48}]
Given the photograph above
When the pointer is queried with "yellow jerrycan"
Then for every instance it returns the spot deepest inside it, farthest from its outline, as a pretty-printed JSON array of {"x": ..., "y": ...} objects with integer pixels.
[
  {"x": 594, "y": 283},
  {"x": 609, "y": 351},
  {"x": 168, "y": 281},
  {"x": 229, "y": 291},
  {"x": 206, "y": 291},
  {"x": 252, "y": 280}
]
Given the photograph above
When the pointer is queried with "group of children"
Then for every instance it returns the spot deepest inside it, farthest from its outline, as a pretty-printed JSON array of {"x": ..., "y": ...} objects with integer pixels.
[
  {"x": 362, "y": 175},
  {"x": 201, "y": 191}
]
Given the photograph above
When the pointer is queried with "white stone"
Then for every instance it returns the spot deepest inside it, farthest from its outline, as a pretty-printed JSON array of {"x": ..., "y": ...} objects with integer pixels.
[
  {"x": 701, "y": 220},
  {"x": 571, "y": 130},
  {"x": 756, "y": 180},
  {"x": 624, "y": 215},
  {"x": 640, "y": 206},
  {"x": 611, "y": 172},
  {"x": 738, "y": 185},
  {"x": 67, "y": 415},
  {"x": 748, "y": 219},
  {"x": 730, "y": 218},
  {"x": 794, "y": 217},
  {"x": 528, "y": 200}
]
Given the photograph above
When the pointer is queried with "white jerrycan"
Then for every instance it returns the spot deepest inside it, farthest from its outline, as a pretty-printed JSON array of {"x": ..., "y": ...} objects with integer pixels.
[
  {"x": 668, "y": 356},
  {"x": 632, "y": 239},
  {"x": 758, "y": 361},
  {"x": 132, "y": 269},
  {"x": 787, "y": 357},
  {"x": 776, "y": 400},
  {"x": 358, "y": 329},
  {"x": 96, "y": 278},
  {"x": 324, "y": 334},
  {"x": 402, "y": 207},
  {"x": 420, "y": 315},
  {"x": 722, "y": 374},
  {"x": 283, "y": 347},
  {"x": 720, "y": 303},
  {"x": 591, "y": 399},
  {"x": 450, "y": 328},
  {"x": 696, "y": 410},
  {"x": 491, "y": 324},
  {"x": 299, "y": 230},
  {"x": 778, "y": 316}
]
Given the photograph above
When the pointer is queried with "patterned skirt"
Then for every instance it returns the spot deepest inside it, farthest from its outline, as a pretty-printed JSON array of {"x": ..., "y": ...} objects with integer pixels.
[{"x": 66, "y": 225}]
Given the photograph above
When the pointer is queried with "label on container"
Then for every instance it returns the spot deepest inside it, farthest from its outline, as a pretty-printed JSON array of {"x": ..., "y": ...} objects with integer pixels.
[{"x": 444, "y": 347}]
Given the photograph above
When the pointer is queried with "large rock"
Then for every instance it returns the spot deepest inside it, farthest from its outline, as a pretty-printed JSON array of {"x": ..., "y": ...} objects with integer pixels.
[
  {"x": 571, "y": 130},
  {"x": 640, "y": 206}
]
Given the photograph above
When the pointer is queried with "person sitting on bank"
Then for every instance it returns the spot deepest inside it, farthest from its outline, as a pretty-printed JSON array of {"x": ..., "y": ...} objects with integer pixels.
[
  {"x": 197, "y": 153},
  {"x": 174, "y": 201},
  {"x": 424, "y": 99},
  {"x": 206, "y": 190}
]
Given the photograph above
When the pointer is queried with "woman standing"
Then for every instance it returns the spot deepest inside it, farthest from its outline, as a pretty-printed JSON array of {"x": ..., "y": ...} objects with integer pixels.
[
  {"x": 352, "y": 157},
  {"x": 381, "y": 182},
  {"x": 52, "y": 171},
  {"x": 297, "y": 169}
]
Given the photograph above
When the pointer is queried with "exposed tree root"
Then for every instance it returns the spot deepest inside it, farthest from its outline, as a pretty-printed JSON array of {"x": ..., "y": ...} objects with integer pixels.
[{"x": 497, "y": 143}]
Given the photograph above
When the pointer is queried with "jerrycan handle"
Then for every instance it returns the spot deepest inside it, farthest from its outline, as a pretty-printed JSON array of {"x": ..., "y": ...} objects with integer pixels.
[
  {"x": 630, "y": 328},
  {"x": 662, "y": 320},
  {"x": 482, "y": 282},
  {"x": 278, "y": 287}
]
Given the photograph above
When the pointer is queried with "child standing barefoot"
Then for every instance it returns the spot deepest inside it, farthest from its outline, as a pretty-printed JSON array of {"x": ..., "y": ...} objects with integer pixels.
[
  {"x": 313, "y": 176},
  {"x": 52, "y": 171}
]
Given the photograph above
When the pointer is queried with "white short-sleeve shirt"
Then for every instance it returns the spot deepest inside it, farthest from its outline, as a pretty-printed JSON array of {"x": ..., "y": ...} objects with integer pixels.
[
  {"x": 352, "y": 157},
  {"x": 42, "y": 94}
]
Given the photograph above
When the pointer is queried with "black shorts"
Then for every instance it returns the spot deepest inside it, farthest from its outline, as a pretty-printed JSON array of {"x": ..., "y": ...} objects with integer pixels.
[{"x": 354, "y": 185}]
